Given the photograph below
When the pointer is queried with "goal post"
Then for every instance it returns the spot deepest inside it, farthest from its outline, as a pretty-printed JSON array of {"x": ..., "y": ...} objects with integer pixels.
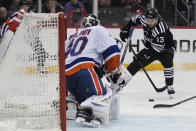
[
  {"x": 32, "y": 74},
  {"x": 62, "y": 38}
]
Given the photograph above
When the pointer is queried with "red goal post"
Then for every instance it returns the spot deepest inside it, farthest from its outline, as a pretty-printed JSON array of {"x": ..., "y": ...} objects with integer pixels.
[{"x": 62, "y": 38}]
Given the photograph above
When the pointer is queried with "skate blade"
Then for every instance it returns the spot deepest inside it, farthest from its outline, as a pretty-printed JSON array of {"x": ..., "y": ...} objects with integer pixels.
[
  {"x": 171, "y": 96},
  {"x": 93, "y": 123}
]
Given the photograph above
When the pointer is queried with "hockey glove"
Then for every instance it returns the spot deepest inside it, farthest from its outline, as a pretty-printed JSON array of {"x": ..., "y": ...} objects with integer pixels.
[
  {"x": 115, "y": 77},
  {"x": 170, "y": 50},
  {"x": 118, "y": 82},
  {"x": 111, "y": 77},
  {"x": 124, "y": 33},
  {"x": 147, "y": 45},
  {"x": 15, "y": 23}
]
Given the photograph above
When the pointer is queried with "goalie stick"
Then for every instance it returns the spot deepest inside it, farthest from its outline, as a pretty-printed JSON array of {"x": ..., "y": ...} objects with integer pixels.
[
  {"x": 172, "y": 105},
  {"x": 140, "y": 64}
]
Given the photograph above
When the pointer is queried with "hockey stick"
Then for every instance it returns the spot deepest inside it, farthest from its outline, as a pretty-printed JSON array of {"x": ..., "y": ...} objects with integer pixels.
[
  {"x": 140, "y": 64},
  {"x": 107, "y": 75},
  {"x": 156, "y": 89},
  {"x": 141, "y": 7},
  {"x": 126, "y": 47},
  {"x": 124, "y": 53},
  {"x": 5, "y": 43},
  {"x": 172, "y": 105},
  {"x": 119, "y": 43}
]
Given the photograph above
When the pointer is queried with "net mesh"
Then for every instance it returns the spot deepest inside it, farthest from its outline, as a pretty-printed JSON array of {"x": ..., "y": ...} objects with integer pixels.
[{"x": 29, "y": 74}]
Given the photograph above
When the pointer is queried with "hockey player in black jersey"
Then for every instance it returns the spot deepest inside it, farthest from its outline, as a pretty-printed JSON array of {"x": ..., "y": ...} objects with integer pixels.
[{"x": 159, "y": 44}]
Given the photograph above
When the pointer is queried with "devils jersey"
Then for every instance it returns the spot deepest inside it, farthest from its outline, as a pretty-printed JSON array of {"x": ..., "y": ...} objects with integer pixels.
[
  {"x": 90, "y": 47},
  {"x": 159, "y": 37}
]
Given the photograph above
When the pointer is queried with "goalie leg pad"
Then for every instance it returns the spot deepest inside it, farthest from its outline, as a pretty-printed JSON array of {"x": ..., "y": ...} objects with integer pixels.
[
  {"x": 100, "y": 105},
  {"x": 115, "y": 107},
  {"x": 72, "y": 106}
]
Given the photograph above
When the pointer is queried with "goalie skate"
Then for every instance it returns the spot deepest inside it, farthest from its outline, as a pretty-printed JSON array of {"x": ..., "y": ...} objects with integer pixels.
[
  {"x": 93, "y": 123},
  {"x": 86, "y": 117}
]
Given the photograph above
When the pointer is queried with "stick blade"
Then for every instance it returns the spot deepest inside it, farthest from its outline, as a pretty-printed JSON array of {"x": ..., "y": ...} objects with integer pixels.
[
  {"x": 161, "y": 89},
  {"x": 162, "y": 106}
]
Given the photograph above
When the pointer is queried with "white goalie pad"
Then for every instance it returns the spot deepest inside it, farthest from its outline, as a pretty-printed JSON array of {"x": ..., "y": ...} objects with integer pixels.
[
  {"x": 114, "y": 110},
  {"x": 115, "y": 107},
  {"x": 100, "y": 105},
  {"x": 72, "y": 106}
]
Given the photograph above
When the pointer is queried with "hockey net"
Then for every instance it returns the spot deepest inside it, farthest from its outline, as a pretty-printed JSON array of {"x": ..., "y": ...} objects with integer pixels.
[{"x": 32, "y": 81}]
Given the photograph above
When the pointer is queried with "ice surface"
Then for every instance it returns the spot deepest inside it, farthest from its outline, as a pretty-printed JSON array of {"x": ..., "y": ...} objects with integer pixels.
[{"x": 137, "y": 113}]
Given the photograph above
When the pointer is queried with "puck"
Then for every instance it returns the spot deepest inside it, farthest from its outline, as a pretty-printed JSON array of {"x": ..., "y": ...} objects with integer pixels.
[{"x": 151, "y": 100}]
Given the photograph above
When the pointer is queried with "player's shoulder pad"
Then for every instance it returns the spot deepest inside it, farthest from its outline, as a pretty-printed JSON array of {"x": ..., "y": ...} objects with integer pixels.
[
  {"x": 99, "y": 27},
  {"x": 160, "y": 29},
  {"x": 162, "y": 26}
]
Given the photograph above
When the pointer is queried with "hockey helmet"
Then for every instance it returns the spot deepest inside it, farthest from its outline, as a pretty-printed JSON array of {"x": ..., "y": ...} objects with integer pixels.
[
  {"x": 89, "y": 20},
  {"x": 24, "y": 2},
  {"x": 151, "y": 13}
]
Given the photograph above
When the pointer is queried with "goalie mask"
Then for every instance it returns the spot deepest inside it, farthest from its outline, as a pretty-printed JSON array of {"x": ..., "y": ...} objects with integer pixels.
[{"x": 89, "y": 20}]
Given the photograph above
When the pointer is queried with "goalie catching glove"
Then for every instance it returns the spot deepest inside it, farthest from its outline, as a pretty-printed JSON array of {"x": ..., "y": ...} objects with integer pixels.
[{"x": 115, "y": 77}]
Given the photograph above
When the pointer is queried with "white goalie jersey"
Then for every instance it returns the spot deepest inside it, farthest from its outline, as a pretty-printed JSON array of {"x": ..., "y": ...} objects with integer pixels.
[{"x": 89, "y": 47}]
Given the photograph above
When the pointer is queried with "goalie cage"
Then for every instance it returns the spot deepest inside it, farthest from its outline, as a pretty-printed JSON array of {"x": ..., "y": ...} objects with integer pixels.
[{"x": 32, "y": 74}]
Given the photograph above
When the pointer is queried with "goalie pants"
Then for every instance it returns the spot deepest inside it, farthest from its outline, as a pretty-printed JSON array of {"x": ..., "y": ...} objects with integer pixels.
[
  {"x": 147, "y": 56},
  {"x": 84, "y": 84}
]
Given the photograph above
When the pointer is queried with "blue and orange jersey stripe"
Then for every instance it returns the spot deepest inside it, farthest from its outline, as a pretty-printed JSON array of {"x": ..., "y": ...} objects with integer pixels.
[
  {"x": 112, "y": 57},
  {"x": 79, "y": 67},
  {"x": 96, "y": 81},
  {"x": 80, "y": 63}
]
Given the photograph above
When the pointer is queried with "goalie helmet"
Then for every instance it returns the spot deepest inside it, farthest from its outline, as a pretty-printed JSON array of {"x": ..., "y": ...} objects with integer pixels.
[
  {"x": 89, "y": 20},
  {"x": 151, "y": 13}
]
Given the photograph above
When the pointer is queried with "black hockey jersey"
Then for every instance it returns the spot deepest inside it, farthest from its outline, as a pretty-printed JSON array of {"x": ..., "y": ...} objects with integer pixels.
[{"x": 159, "y": 37}]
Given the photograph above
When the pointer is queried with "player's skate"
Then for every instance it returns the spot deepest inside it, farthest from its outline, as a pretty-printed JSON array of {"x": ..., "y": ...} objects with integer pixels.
[
  {"x": 86, "y": 117},
  {"x": 170, "y": 91}
]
